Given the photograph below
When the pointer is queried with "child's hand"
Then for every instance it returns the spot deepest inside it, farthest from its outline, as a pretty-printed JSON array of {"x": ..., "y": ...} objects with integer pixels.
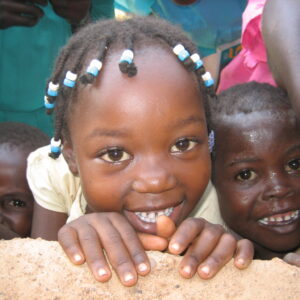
[
  {"x": 293, "y": 258},
  {"x": 72, "y": 10},
  {"x": 85, "y": 238},
  {"x": 20, "y": 13},
  {"x": 208, "y": 247}
]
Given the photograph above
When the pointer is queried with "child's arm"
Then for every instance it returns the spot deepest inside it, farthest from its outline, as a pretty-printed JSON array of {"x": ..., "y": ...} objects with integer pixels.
[
  {"x": 208, "y": 246},
  {"x": 281, "y": 33},
  {"x": 46, "y": 223}
]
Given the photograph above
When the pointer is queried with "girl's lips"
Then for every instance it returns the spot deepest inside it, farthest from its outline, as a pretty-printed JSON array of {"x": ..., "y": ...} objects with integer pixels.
[{"x": 146, "y": 221}]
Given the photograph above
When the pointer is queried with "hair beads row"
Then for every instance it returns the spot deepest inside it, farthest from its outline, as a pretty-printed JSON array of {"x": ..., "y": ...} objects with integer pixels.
[{"x": 85, "y": 54}]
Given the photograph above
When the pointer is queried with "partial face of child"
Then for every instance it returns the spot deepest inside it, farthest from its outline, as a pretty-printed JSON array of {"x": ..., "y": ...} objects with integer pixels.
[
  {"x": 257, "y": 176},
  {"x": 16, "y": 200},
  {"x": 140, "y": 144}
]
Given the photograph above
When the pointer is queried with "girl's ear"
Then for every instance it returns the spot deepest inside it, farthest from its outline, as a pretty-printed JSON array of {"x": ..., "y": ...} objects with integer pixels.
[{"x": 69, "y": 156}]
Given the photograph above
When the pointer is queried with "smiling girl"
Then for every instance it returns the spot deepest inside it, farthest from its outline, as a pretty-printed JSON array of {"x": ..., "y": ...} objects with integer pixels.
[{"x": 135, "y": 143}]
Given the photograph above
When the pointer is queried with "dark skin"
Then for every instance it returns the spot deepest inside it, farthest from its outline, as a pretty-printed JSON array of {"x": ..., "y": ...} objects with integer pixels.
[
  {"x": 28, "y": 13},
  {"x": 16, "y": 200},
  {"x": 133, "y": 164},
  {"x": 282, "y": 40},
  {"x": 257, "y": 176}
]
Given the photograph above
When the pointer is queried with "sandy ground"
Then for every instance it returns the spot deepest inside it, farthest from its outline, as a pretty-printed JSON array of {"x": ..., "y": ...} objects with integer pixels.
[{"x": 38, "y": 269}]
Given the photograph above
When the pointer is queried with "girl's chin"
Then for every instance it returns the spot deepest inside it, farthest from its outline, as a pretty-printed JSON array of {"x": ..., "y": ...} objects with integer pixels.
[{"x": 146, "y": 222}]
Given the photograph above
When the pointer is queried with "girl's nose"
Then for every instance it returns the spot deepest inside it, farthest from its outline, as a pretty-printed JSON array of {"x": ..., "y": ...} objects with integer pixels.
[
  {"x": 154, "y": 176},
  {"x": 277, "y": 187}
]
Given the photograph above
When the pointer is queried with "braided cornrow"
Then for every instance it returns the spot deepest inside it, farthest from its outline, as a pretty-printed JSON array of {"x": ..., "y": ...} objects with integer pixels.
[{"x": 85, "y": 53}]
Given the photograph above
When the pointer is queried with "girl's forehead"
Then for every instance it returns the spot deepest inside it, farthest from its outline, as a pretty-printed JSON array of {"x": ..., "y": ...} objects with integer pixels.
[{"x": 157, "y": 68}]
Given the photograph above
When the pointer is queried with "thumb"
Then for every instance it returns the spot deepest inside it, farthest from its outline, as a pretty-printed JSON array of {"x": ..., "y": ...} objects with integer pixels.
[
  {"x": 165, "y": 227},
  {"x": 152, "y": 242}
]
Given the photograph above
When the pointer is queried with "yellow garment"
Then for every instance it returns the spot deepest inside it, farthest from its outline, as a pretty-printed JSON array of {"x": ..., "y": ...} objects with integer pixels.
[{"x": 55, "y": 188}]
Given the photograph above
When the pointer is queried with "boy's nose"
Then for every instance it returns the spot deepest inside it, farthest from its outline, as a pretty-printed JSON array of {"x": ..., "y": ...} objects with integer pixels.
[
  {"x": 277, "y": 187},
  {"x": 153, "y": 176}
]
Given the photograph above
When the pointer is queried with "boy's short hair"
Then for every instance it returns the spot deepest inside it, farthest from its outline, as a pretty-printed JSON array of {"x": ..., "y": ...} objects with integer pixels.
[
  {"x": 22, "y": 135},
  {"x": 247, "y": 98}
]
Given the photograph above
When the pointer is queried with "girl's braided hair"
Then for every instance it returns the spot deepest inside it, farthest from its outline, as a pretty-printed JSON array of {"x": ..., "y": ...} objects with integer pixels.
[{"x": 94, "y": 42}]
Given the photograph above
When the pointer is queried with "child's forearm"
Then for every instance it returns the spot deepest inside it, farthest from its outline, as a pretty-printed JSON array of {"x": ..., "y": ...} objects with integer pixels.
[
  {"x": 46, "y": 223},
  {"x": 281, "y": 32}
]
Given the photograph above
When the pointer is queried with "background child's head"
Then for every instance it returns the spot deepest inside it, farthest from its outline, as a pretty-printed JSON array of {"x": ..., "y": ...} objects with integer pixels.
[
  {"x": 17, "y": 140},
  {"x": 135, "y": 133},
  {"x": 256, "y": 166}
]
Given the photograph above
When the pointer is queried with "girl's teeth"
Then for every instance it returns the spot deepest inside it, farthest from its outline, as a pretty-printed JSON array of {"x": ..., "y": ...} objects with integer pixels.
[
  {"x": 281, "y": 220},
  {"x": 151, "y": 217}
]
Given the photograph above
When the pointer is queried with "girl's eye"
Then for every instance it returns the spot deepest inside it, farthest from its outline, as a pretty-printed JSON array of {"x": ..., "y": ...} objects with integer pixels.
[
  {"x": 183, "y": 145},
  {"x": 115, "y": 155},
  {"x": 17, "y": 203},
  {"x": 293, "y": 165},
  {"x": 246, "y": 175}
]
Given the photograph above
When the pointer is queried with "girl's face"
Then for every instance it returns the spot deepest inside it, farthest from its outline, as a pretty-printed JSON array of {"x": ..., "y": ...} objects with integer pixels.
[
  {"x": 140, "y": 144},
  {"x": 257, "y": 176},
  {"x": 16, "y": 200}
]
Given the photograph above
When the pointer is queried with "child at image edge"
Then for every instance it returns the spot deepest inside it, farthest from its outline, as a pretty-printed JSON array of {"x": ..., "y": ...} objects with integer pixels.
[
  {"x": 256, "y": 168},
  {"x": 131, "y": 102},
  {"x": 17, "y": 140}
]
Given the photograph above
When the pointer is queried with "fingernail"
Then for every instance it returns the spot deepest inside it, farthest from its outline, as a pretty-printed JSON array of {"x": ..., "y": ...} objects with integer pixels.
[
  {"x": 128, "y": 277},
  {"x": 205, "y": 270},
  {"x": 187, "y": 270},
  {"x": 241, "y": 262},
  {"x": 175, "y": 246},
  {"x": 142, "y": 267},
  {"x": 77, "y": 257},
  {"x": 102, "y": 272}
]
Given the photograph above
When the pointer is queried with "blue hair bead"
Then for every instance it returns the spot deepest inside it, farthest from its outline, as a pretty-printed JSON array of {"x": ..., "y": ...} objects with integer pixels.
[
  {"x": 55, "y": 146},
  {"x": 127, "y": 56},
  {"x": 94, "y": 67},
  {"x": 70, "y": 79},
  {"x": 211, "y": 141},
  {"x": 181, "y": 52},
  {"x": 52, "y": 89},
  {"x": 197, "y": 61},
  {"x": 208, "y": 81},
  {"x": 49, "y": 105}
]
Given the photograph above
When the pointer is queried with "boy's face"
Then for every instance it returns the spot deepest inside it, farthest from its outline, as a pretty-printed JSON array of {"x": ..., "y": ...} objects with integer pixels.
[
  {"x": 257, "y": 176},
  {"x": 16, "y": 200},
  {"x": 140, "y": 144}
]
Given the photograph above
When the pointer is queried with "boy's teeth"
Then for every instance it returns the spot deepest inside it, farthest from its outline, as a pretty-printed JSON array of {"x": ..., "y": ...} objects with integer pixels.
[
  {"x": 151, "y": 216},
  {"x": 281, "y": 219}
]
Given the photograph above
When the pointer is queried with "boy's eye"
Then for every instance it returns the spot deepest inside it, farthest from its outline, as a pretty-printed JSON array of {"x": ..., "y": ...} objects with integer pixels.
[
  {"x": 183, "y": 145},
  {"x": 17, "y": 203},
  {"x": 115, "y": 155},
  {"x": 246, "y": 175},
  {"x": 293, "y": 165}
]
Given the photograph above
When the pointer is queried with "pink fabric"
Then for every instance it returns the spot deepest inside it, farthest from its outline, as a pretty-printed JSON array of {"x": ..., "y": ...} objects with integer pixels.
[{"x": 251, "y": 63}]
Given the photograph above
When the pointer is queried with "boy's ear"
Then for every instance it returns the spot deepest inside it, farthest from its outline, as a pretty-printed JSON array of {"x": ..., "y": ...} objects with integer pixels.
[{"x": 69, "y": 156}]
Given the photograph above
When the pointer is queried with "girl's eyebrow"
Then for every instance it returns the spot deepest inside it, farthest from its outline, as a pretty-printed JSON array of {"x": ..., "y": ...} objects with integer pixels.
[
  {"x": 187, "y": 121},
  {"x": 107, "y": 132}
]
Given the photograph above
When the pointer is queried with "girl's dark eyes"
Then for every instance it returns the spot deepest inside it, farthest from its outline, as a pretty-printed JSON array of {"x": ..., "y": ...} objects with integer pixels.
[
  {"x": 183, "y": 145},
  {"x": 246, "y": 175},
  {"x": 17, "y": 203},
  {"x": 115, "y": 155},
  {"x": 293, "y": 165}
]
